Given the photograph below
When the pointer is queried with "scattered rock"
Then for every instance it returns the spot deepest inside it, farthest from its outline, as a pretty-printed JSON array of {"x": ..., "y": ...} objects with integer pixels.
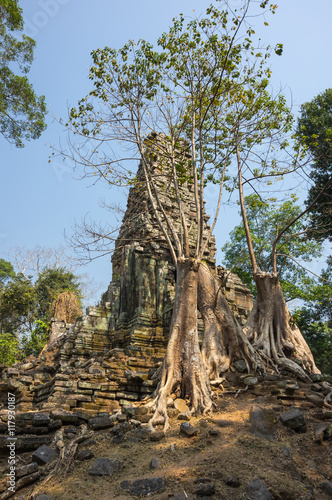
[
  {"x": 105, "y": 467},
  {"x": 287, "y": 452},
  {"x": 233, "y": 482},
  {"x": 322, "y": 431},
  {"x": 205, "y": 490},
  {"x": 250, "y": 381},
  {"x": 121, "y": 417},
  {"x": 44, "y": 454},
  {"x": 316, "y": 400},
  {"x": 240, "y": 366},
  {"x": 188, "y": 430},
  {"x": 157, "y": 435},
  {"x": 263, "y": 422},
  {"x": 214, "y": 432},
  {"x": 101, "y": 422},
  {"x": 257, "y": 491},
  {"x": 317, "y": 377},
  {"x": 144, "y": 486},
  {"x": 118, "y": 438},
  {"x": 327, "y": 487},
  {"x": 294, "y": 419},
  {"x": 155, "y": 463},
  {"x": 84, "y": 455}
]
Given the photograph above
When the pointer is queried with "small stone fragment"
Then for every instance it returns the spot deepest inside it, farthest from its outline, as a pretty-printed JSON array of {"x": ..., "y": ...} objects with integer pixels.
[
  {"x": 157, "y": 435},
  {"x": 233, "y": 482},
  {"x": 257, "y": 491},
  {"x": 84, "y": 455},
  {"x": 263, "y": 422},
  {"x": 144, "y": 486},
  {"x": 327, "y": 487},
  {"x": 287, "y": 452},
  {"x": 155, "y": 463},
  {"x": 250, "y": 381},
  {"x": 105, "y": 467},
  {"x": 205, "y": 490},
  {"x": 315, "y": 400},
  {"x": 101, "y": 422},
  {"x": 323, "y": 431},
  {"x": 43, "y": 455},
  {"x": 214, "y": 432},
  {"x": 240, "y": 366},
  {"x": 188, "y": 430},
  {"x": 294, "y": 419}
]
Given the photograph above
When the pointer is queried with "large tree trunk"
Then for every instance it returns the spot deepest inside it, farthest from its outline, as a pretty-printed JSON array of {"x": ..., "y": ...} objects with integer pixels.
[
  {"x": 270, "y": 331},
  {"x": 183, "y": 370},
  {"x": 224, "y": 340}
]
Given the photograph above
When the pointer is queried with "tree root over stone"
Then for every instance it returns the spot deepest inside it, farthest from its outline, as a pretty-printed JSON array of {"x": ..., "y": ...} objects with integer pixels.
[
  {"x": 270, "y": 331},
  {"x": 183, "y": 371},
  {"x": 223, "y": 340}
]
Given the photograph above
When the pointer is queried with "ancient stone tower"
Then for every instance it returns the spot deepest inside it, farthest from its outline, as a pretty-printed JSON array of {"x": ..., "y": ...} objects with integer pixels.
[
  {"x": 142, "y": 290},
  {"x": 104, "y": 360}
]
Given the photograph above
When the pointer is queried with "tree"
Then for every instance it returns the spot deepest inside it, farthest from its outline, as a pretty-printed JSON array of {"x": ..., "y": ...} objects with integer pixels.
[
  {"x": 207, "y": 81},
  {"x": 18, "y": 307},
  {"x": 52, "y": 283},
  {"x": 269, "y": 326},
  {"x": 265, "y": 221},
  {"x": 315, "y": 320},
  {"x": 314, "y": 129},
  {"x": 22, "y": 113},
  {"x": 6, "y": 272},
  {"x": 27, "y": 303}
]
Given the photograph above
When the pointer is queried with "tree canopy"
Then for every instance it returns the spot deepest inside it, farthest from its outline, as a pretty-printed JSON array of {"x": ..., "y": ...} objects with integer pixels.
[
  {"x": 27, "y": 306},
  {"x": 315, "y": 130},
  {"x": 22, "y": 112}
]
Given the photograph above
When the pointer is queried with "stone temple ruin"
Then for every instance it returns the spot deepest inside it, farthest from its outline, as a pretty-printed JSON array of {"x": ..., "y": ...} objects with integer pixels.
[{"x": 106, "y": 359}]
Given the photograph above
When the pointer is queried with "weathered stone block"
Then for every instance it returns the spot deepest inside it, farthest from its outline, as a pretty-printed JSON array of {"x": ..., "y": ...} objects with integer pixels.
[
  {"x": 44, "y": 455},
  {"x": 294, "y": 419}
]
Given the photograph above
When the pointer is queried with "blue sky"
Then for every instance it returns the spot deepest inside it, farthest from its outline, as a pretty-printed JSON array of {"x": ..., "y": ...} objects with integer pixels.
[{"x": 40, "y": 200}]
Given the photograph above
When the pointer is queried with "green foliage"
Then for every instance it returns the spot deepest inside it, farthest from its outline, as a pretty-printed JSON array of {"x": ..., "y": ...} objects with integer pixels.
[
  {"x": 9, "y": 351},
  {"x": 26, "y": 308},
  {"x": 36, "y": 341},
  {"x": 18, "y": 303},
  {"x": 49, "y": 284},
  {"x": 315, "y": 131},
  {"x": 207, "y": 75},
  {"x": 266, "y": 221},
  {"x": 21, "y": 111},
  {"x": 315, "y": 320},
  {"x": 6, "y": 272}
]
